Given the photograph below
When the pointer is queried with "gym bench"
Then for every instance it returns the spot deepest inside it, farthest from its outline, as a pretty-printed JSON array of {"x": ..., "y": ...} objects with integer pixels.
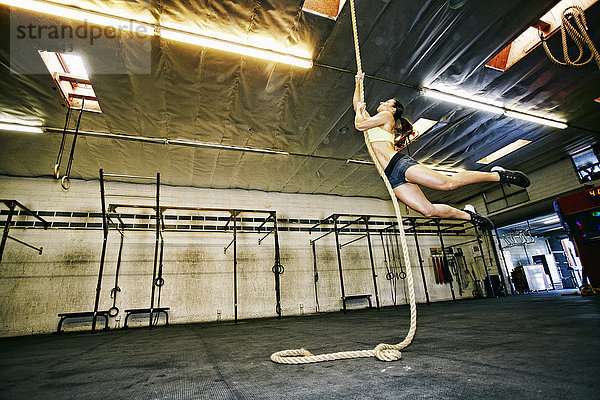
[
  {"x": 357, "y": 297},
  {"x": 85, "y": 314},
  {"x": 156, "y": 310}
]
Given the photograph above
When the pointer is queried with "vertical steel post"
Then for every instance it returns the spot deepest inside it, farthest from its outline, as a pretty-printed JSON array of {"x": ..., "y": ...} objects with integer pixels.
[
  {"x": 11, "y": 210},
  {"x": 366, "y": 219},
  {"x": 414, "y": 224},
  {"x": 444, "y": 258},
  {"x": 316, "y": 275},
  {"x": 104, "y": 242},
  {"x": 156, "y": 245},
  {"x": 339, "y": 257},
  {"x": 278, "y": 268},
  {"x": 235, "y": 294}
]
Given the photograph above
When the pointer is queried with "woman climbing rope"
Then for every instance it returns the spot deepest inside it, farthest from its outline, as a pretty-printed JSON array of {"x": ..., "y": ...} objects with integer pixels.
[{"x": 388, "y": 129}]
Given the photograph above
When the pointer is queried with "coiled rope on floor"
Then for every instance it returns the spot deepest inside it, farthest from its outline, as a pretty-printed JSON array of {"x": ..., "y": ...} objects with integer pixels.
[
  {"x": 383, "y": 352},
  {"x": 580, "y": 37}
]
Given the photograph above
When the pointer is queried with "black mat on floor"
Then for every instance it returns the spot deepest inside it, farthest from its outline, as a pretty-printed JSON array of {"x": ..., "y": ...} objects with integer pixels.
[{"x": 537, "y": 346}]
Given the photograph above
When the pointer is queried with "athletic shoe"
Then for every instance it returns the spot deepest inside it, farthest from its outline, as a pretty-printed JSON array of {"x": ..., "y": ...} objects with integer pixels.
[
  {"x": 512, "y": 177},
  {"x": 477, "y": 219}
]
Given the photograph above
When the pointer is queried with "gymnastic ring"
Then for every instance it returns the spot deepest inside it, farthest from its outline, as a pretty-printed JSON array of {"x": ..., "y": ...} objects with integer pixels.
[
  {"x": 65, "y": 182},
  {"x": 402, "y": 275},
  {"x": 277, "y": 269},
  {"x": 113, "y": 311},
  {"x": 389, "y": 276},
  {"x": 159, "y": 282},
  {"x": 56, "y": 171}
]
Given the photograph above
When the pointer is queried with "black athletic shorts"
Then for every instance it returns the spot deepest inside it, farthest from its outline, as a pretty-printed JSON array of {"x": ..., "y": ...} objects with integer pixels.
[{"x": 396, "y": 169}]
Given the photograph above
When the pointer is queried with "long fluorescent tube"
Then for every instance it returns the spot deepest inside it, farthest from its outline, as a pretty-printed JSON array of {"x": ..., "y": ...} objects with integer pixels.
[
  {"x": 20, "y": 128},
  {"x": 232, "y": 47},
  {"x": 65, "y": 11},
  {"x": 533, "y": 118},
  {"x": 436, "y": 94},
  {"x": 358, "y": 161},
  {"x": 122, "y": 23}
]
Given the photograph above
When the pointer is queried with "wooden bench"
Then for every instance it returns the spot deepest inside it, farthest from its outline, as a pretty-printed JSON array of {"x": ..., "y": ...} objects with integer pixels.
[
  {"x": 85, "y": 314},
  {"x": 147, "y": 311},
  {"x": 357, "y": 297}
]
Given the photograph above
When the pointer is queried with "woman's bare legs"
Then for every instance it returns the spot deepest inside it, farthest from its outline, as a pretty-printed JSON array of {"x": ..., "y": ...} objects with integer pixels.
[
  {"x": 422, "y": 175},
  {"x": 411, "y": 195}
]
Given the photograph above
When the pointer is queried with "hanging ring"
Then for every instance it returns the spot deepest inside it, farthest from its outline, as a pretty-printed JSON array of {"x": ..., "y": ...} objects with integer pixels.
[
  {"x": 159, "y": 282},
  {"x": 402, "y": 275},
  {"x": 389, "y": 276},
  {"x": 277, "y": 269},
  {"x": 113, "y": 311},
  {"x": 65, "y": 182},
  {"x": 56, "y": 171}
]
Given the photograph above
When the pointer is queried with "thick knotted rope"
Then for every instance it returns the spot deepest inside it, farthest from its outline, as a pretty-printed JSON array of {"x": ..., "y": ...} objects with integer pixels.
[
  {"x": 383, "y": 352},
  {"x": 580, "y": 37}
]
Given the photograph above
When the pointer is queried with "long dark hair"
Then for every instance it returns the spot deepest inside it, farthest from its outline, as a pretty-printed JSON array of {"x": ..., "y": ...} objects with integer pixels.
[{"x": 403, "y": 127}]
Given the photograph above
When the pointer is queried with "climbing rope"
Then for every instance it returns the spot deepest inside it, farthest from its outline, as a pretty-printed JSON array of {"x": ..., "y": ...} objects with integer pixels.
[
  {"x": 383, "y": 352},
  {"x": 580, "y": 37}
]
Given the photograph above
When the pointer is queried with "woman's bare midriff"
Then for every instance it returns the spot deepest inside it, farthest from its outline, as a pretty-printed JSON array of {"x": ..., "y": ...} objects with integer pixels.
[{"x": 384, "y": 151}]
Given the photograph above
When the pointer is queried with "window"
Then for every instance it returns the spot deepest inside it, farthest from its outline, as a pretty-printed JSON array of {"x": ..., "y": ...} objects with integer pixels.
[
  {"x": 72, "y": 80},
  {"x": 586, "y": 164},
  {"x": 504, "y": 196}
]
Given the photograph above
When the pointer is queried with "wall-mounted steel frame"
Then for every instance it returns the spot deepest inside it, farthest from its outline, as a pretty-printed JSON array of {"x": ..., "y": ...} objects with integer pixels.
[
  {"x": 12, "y": 205},
  {"x": 367, "y": 224},
  {"x": 267, "y": 227}
]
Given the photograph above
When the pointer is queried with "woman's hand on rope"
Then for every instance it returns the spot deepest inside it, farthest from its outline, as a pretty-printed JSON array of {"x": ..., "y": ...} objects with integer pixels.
[{"x": 360, "y": 76}]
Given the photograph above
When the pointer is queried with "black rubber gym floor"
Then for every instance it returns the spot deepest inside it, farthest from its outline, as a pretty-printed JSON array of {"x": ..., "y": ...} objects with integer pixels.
[{"x": 538, "y": 346}]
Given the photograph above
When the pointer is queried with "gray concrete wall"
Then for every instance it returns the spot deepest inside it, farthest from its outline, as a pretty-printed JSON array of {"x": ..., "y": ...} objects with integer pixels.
[{"x": 198, "y": 274}]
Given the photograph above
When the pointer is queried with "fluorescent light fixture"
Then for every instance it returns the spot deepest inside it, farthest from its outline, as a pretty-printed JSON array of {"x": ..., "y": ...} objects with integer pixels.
[
  {"x": 20, "y": 128},
  {"x": 533, "y": 118},
  {"x": 232, "y": 47},
  {"x": 348, "y": 161},
  {"x": 65, "y": 11},
  {"x": 551, "y": 220},
  {"x": 504, "y": 151},
  {"x": 436, "y": 94},
  {"x": 122, "y": 23}
]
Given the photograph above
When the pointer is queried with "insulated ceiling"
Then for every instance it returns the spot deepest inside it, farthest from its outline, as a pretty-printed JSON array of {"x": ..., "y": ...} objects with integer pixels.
[{"x": 156, "y": 88}]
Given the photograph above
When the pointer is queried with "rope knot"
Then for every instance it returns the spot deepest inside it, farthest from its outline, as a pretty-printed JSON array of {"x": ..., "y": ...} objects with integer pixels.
[{"x": 387, "y": 352}]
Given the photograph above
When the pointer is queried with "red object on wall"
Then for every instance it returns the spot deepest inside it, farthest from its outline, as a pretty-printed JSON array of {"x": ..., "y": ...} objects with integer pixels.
[{"x": 581, "y": 211}]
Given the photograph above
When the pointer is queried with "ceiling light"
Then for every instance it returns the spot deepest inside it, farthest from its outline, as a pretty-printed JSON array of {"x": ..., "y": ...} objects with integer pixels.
[
  {"x": 504, "y": 151},
  {"x": 69, "y": 12},
  {"x": 358, "y": 162},
  {"x": 232, "y": 47},
  {"x": 436, "y": 94},
  {"x": 122, "y": 23},
  {"x": 551, "y": 220},
  {"x": 20, "y": 128},
  {"x": 533, "y": 118}
]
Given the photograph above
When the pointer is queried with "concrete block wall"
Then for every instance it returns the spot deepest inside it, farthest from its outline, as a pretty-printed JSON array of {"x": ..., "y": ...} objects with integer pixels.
[{"x": 198, "y": 274}]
